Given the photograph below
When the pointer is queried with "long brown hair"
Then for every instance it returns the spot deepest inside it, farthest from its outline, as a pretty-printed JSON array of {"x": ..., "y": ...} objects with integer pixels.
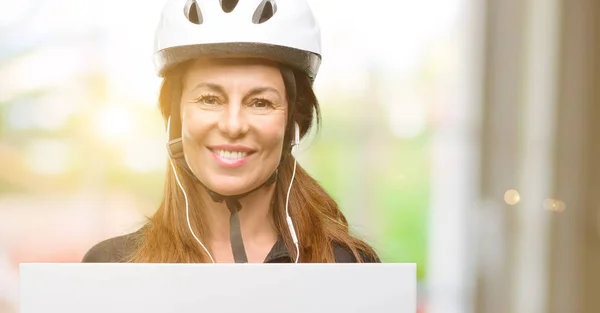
[{"x": 319, "y": 222}]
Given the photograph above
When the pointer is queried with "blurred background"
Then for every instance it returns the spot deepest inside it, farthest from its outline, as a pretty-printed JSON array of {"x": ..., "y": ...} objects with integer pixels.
[{"x": 457, "y": 134}]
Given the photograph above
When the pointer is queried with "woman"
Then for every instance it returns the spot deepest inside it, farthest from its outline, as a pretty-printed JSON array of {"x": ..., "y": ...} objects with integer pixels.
[{"x": 237, "y": 97}]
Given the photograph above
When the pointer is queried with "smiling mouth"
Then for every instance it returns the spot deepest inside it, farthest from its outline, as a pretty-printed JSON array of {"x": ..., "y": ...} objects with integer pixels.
[{"x": 231, "y": 155}]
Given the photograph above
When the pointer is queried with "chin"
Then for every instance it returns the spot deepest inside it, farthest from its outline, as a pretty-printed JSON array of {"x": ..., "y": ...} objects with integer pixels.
[{"x": 229, "y": 186}]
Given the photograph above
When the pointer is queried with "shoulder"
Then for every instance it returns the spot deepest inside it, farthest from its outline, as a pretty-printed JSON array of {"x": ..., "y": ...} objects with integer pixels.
[
  {"x": 112, "y": 250},
  {"x": 344, "y": 255}
]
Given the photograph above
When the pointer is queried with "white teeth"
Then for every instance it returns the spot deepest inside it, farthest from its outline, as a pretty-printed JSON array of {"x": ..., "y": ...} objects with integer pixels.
[{"x": 231, "y": 155}]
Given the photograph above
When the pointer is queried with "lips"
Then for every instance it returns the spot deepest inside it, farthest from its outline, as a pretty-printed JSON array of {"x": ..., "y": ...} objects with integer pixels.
[{"x": 231, "y": 156}]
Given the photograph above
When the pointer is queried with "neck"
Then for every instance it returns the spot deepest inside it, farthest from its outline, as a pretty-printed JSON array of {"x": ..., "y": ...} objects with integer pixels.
[{"x": 255, "y": 217}]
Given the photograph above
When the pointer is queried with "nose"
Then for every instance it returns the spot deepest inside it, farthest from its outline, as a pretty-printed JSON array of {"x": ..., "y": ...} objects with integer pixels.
[{"x": 233, "y": 123}]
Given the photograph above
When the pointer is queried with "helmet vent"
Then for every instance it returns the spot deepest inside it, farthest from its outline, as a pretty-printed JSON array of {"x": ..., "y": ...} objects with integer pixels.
[
  {"x": 192, "y": 12},
  {"x": 265, "y": 11},
  {"x": 228, "y": 5}
]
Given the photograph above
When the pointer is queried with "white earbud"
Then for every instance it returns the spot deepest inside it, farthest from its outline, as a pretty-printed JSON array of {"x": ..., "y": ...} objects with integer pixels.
[
  {"x": 296, "y": 139},
  {"x": 296, "y": 134}
]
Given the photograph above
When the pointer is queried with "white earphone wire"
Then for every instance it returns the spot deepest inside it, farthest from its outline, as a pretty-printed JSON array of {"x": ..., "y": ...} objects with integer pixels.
[
  {"x": 289, "y": 219},
  {"x": 187, "y": 211},
  {"x": 187, "y": 205},
  {"x": 287, "y": 200}
]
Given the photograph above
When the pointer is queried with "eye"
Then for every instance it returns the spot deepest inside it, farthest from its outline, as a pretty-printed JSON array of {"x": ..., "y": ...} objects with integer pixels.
[
  {"x": 262, "y": 103},
  {"x": 207, "y": 99}
]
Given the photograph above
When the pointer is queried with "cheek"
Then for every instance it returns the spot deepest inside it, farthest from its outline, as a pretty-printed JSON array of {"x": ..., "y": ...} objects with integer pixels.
[
  {"x": 194, "y": 126},
  {"x": 272, "y": 135},
  {"x": 194, "y": 132}
]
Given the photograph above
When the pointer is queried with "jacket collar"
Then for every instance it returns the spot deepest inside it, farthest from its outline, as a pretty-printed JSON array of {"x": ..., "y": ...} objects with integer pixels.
[{"x": 279, "y": 253}]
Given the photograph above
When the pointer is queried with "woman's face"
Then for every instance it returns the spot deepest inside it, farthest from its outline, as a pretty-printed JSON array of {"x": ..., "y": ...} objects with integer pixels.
[{"x": 233, "y": 115}]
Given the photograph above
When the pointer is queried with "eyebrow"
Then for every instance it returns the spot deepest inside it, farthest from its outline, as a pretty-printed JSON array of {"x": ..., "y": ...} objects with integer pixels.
[{"x": 252, "y": 92}]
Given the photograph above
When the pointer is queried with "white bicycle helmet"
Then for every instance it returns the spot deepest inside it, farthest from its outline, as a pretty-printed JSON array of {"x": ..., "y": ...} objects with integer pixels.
[{"x": 285, "y": 31}]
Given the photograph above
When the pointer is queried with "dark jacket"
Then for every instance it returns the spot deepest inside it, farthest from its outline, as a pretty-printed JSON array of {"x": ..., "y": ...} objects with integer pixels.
[{"x": 114, "y": 250}]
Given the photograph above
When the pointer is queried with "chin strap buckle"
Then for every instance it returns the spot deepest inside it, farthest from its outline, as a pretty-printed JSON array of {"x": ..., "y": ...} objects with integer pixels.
[{"x": 175, "y": 148}]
